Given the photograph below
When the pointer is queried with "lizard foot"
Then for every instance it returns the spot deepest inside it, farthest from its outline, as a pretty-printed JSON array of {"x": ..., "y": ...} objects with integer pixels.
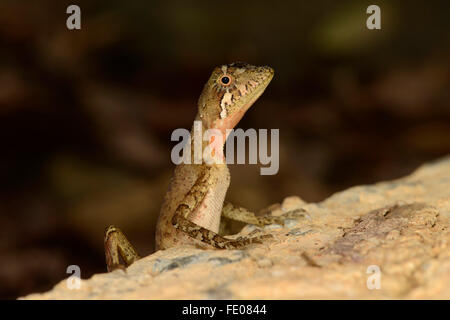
[
  {"x": 244, "y": 241},
  {"x": 281, "y": 219},
  {"x": 118, "y": 247}
]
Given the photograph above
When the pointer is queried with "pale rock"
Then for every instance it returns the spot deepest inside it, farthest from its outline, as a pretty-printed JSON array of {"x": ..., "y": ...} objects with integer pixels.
[{"x": 400, "y": 227}]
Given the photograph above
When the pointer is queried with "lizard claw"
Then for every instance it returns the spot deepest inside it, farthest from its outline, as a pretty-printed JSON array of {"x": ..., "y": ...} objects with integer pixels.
[
  {"x": 294, "y": 214},
  {"x": 259, "y": 239}
]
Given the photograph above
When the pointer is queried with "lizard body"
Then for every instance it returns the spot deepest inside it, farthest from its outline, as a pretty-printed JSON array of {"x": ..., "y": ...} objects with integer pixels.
[
  {"x": 200, "y": 190},
  {"x": 194, "y": 203}
]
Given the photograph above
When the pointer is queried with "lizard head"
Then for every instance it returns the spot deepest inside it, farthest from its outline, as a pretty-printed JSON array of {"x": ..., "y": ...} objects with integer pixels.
[{"x": 230, "y": 92}]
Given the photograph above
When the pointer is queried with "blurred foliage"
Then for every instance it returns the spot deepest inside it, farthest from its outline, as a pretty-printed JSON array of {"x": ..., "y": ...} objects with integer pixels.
[{"x": 86, "y": 116}]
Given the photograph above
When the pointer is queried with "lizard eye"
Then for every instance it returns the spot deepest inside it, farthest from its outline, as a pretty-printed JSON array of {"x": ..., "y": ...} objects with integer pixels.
[{"x": 225, "y": 80}]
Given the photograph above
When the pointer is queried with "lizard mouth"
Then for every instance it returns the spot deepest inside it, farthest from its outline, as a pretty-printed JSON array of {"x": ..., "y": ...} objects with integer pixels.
[
  {"x": 265, "y": 76},
  {"x": 268, "y": 74}
]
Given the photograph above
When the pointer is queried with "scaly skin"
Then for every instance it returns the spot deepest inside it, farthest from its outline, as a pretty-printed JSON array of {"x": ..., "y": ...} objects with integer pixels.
[{"x": 194, "y": 203}]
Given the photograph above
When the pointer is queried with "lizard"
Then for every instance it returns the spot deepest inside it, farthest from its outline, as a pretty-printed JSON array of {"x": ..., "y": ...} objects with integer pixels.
[{"x": 194, "y": 203}]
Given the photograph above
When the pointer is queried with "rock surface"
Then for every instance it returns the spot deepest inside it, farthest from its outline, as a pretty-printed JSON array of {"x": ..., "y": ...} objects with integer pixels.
[{"x": 399, "y": 228}]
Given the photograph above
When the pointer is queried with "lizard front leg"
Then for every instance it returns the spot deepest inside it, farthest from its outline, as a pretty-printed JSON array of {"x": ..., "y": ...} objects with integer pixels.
[
  {"x": 117, "y": 246},
  {"x": 192, "y": 202}
]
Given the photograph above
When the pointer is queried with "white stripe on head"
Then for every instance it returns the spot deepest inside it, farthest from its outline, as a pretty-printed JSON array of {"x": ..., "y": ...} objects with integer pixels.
[{"x": 224, "y": 69}]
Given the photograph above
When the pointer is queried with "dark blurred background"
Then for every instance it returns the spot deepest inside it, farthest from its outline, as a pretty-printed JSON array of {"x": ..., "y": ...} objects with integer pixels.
[{"x": 86, "y": 116}]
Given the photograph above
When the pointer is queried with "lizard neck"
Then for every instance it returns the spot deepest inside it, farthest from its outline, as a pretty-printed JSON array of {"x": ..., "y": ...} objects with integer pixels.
[{"x": 212, "y": 142}]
